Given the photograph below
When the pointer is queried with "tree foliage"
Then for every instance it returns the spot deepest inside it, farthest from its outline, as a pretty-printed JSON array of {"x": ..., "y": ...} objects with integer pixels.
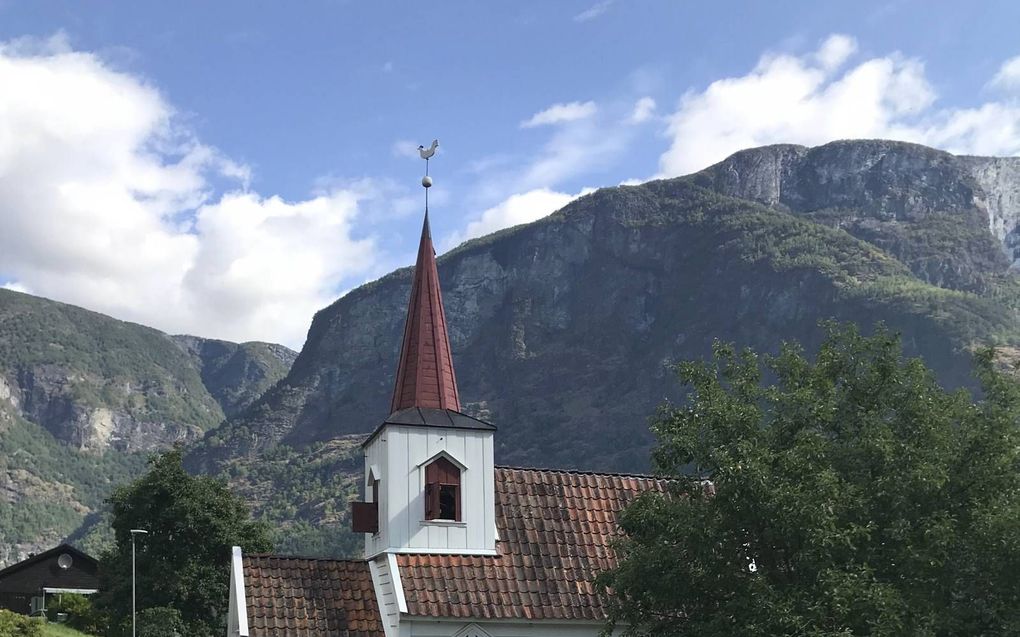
[
  {"x": 850, "y": 495},
  {"x": 183, "y": 563},
  {"x": 14, "y": 625}
]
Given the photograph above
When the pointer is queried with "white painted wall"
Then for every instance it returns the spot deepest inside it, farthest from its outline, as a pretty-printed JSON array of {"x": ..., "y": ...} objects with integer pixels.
[
  {"x": 386, "y": 580},
  {"x": 401, "y": 453},
  {"x": 237, "y": 609}
]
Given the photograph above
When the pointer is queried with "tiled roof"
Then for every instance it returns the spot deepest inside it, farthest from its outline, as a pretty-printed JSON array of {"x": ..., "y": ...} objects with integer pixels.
[
  {"x": 301, "y": 597},
  {"x": 555, "y": 528}
]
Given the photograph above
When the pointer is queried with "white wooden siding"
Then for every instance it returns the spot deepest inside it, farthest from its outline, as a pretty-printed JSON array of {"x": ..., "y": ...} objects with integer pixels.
[{"x": 400, "y": 453}]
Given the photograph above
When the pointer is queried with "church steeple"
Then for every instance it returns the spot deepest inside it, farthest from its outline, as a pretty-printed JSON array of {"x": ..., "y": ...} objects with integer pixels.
[
  {"x": 425, "y": 376},
  {"x": 429, "y": 472}
]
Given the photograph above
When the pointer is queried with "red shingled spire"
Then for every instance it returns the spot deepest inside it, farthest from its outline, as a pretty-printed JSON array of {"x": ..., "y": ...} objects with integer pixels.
[{"x": 425, "y": 375}]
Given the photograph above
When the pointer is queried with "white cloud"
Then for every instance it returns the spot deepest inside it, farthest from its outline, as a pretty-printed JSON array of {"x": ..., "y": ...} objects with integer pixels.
[
  {"x": 516, "y": 209},
  {"x": 532, "y": 189},
  {"x": 263, "y": 261},
  {"x": 836, "y": 50},
  {"x": 405, "y": 148},
  {"x": 16, "y": 287},
  {"x": 593, "y": 11},
  {"x": 107, "y": 202},
  {"x": 1008, "y": 76},
  {"x": 808, "y": 100},
  {"x": 561, "y": 113},
  {"x": 644, "y": 109}
]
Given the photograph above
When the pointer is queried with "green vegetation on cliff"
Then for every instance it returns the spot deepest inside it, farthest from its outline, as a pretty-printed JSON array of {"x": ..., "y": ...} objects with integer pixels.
[
  {"x": 84, "y": 398},
  {"x": 563, "y": 329}
]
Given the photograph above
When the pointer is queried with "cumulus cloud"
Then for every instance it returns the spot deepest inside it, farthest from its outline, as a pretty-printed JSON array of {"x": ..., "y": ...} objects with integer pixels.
[
  {"x": 560, "y": 113},
  {"x": 16, "y": 287},
  {"x": 643, "y": 111},
  {"x": 809, "y": 100},
  {"x": 836, "y": 50},
  {"x": 107, "y": 202},
  {"x": 516, "y": 209},
  {"x": 1008, "y": 76},
  {"x": 591, "y": 138}
]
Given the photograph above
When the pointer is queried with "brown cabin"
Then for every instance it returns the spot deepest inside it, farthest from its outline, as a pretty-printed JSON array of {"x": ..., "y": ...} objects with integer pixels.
[{"x": 64, "y": 569}]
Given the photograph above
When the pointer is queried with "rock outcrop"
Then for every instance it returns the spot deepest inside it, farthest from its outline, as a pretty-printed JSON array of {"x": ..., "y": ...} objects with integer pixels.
[{"x": 563, "y": 329}]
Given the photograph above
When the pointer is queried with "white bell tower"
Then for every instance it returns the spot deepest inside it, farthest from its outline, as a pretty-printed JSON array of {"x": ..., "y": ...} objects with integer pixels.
[{"x": 429, "y": 473}]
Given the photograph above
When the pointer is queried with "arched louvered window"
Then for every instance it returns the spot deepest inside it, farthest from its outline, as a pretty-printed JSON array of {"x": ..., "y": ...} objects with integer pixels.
[{"x": 442, "y": 490}]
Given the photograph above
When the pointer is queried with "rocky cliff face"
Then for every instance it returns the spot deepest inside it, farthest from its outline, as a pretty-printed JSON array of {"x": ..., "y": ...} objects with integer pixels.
[
  {"x": 877, "y": 190},
  {"x": 236, "y": 374},
  {"x": 97, "y": 383},
  {"x": 563, "y": 329}
]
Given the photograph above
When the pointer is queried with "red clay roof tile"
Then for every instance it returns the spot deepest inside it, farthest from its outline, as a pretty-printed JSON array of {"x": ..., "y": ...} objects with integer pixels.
[
  {"x": 555, "y": 529},
  {"x": 291, "y": 597}
]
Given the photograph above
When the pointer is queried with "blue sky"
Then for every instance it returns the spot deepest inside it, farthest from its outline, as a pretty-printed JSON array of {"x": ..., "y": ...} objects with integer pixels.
[{"x": 227, "y": 168}]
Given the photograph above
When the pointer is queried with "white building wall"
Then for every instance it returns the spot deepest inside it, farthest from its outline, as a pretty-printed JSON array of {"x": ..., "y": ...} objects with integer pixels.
[
  {"x": 376, "y": 459},
  {"x": 386, "y": 581},
  {"x": 237, "y": 607},
  {"x": 401, "y": 453}
]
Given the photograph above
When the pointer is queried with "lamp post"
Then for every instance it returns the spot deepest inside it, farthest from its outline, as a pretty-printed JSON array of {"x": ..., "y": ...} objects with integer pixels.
[{"x": 134, "y": 532}]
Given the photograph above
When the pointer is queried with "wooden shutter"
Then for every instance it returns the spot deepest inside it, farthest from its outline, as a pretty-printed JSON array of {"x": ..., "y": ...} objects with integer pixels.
[
  {"x": 441, "y": 472},
  {"x": 365, "y": 517},
  {"x": 431, "y": 500}
]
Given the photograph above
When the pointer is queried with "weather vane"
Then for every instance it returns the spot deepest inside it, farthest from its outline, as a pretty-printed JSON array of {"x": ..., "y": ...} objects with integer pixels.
[{"x": 426, "y": 181}]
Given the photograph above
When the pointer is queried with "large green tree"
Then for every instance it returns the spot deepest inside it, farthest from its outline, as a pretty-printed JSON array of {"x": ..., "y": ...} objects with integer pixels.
[
  {"x": 183, "y": 562},
  {"x": 848, "y": 495}
]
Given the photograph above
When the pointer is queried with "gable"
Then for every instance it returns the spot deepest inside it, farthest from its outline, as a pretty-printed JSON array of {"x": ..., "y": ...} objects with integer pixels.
[{"x": 46, "y": 570}]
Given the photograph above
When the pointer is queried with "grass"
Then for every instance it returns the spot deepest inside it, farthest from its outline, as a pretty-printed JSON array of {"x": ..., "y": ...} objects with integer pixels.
[{"x": 59, "y": 630}]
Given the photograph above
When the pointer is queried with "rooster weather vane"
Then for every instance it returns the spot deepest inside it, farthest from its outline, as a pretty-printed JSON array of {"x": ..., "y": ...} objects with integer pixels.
[{"x": 426, "y": 181}]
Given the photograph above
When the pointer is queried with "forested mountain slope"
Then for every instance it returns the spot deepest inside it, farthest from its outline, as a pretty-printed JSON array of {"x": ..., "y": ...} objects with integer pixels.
[
  {"x": 84, "y": 398},
  {"x": 563, "y": 329}
]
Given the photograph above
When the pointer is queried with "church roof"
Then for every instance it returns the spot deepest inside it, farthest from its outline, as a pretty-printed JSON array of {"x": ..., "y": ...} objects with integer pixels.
[
  {"x": 555, "y": 529},
  {"x": 425, "y": 417},
  {"x": 306, "y": 597},
  {"x": 425, "y": 376}
]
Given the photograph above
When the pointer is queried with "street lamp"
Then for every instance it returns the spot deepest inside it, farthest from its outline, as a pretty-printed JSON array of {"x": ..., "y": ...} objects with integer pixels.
[{"x": 134, "y": 532}]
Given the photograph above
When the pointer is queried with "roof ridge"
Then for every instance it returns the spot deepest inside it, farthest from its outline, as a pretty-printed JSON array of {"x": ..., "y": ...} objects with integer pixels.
[
  {"x": 585, "y": 472},
  {"x": 308, "y": 558},
  {"x": 43, "y": 555}
]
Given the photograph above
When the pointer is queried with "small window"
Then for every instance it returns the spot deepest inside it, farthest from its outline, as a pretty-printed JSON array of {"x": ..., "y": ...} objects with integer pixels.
[{"x": 442, "y": 491}]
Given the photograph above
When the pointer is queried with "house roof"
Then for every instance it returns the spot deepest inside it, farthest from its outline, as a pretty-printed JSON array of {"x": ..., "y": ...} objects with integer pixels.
[
  {"x": 555, "y": 529},
  {"x": 45, "y": 555},
  {"x": 425, "y": 376},
  {"x": 288, "y": 596}
]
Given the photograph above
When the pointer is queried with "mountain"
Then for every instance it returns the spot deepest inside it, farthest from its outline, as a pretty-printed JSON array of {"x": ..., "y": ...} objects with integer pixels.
[
  {"x": 84, "y": 398},
  {"x": 563, "y": 329}
]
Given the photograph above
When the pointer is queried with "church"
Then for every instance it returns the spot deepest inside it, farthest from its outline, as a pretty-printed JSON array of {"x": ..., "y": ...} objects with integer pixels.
[{"x": 455, "y": 546}]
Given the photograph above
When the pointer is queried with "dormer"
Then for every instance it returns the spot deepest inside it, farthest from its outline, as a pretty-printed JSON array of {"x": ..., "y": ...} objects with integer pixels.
[{"x": 429, "y": 474}]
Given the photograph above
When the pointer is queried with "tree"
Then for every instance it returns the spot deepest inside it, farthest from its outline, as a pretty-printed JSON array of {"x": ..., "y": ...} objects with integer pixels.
[
  {"x": 183, "y": 563},
  {"x": 850, "y": 495}
]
